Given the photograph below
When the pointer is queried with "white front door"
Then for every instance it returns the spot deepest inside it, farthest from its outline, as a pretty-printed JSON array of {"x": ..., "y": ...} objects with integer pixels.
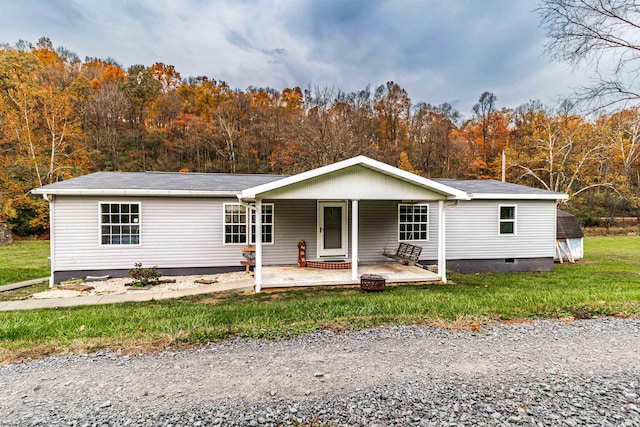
[{"x": 332, "y": 229}]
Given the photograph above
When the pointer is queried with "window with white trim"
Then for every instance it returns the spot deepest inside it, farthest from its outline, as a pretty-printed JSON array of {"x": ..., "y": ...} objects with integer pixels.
[
  {"x": 507, "y": 222},
  {"x": 235, "y": 223},
  {"x": 120, "y": 223},
  {"x": 413, "y": 222},
  {"x": 267, "y": 224}
]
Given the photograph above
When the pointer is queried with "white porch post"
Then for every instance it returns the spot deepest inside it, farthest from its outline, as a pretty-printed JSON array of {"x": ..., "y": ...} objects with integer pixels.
[
  {"x": 258, "y": 266},
  {"x": 442, "y": 261},
  {"x": 354, "y": 240}
]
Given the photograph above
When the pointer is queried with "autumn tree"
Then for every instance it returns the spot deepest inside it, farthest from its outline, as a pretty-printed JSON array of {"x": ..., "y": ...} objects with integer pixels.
[
  {"x": 273, "y": 114},
  {"x": 622, "y": 130},
  {"x": 141, "y": 88},
  {"x": 167, "y": 75},
  {"x": 429, "y": 133},
  {"x": 392, "y": 107},
  {"x": 230, "y": 121},
  {"x": 561, "y": 153},
  {"x": 42, "y": 141},
  {"x": 105, "y": 124}
]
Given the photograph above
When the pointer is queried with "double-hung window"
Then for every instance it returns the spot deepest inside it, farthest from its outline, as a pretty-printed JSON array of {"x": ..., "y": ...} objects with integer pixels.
[
  {"x": 413, "y": 222},
  {"x": 235, "y": 223},
  {"x": 120, "y": 223},
  {"x": 507, "y": 222},
  {"x": 267, "y": 224}
]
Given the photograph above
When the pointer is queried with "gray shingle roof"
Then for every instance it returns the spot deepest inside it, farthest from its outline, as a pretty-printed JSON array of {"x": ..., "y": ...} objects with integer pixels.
[
  {"x": 568, "y": 226},
  {"x": 478, "y": 187},
  {"x": 222, "y": 182}
]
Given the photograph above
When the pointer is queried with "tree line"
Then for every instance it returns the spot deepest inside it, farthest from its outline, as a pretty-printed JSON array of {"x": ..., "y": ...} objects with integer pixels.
[{"x": 62, "y": 117}]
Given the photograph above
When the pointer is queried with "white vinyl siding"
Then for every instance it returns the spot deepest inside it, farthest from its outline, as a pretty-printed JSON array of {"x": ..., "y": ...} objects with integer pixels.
[
  {"x": 176, "y": 232},
  {"x": 378, "y": 230},
  {"x": 507, "y": 224},
  {"x": 413, "y": 222},
  {"x": 119, "y": 223},
  {"x": 189, "y": 232},
  {"x": 294, "y": 220},
  {"x": 472, "y": 230}
]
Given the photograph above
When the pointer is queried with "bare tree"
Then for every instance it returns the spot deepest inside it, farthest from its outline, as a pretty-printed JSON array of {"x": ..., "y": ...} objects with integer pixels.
[
  {"x": 429, "y": 129},
  {"x": 105, "y": 125},
  {"x": 483, "y": 109},
  {"x": 602, "y": 34}
]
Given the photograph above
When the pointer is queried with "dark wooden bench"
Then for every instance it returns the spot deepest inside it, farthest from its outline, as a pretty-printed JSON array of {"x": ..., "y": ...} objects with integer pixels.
[{"x": 406, "y": 253}]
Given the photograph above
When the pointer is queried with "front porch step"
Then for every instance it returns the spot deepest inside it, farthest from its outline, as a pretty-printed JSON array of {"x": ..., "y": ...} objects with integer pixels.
[{"x": 329, "y": 265}]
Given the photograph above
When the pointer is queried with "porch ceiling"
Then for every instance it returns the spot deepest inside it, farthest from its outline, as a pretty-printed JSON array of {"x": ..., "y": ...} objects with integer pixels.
[{"x": 285, "y": 276}]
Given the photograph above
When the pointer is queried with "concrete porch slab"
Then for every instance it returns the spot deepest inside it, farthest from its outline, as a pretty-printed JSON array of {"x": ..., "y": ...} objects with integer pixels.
[{"x": 285, "y": 276}]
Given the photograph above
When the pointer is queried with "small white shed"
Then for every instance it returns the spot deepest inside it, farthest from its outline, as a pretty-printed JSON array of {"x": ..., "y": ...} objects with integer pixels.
[{"x": 569, "y": 236}]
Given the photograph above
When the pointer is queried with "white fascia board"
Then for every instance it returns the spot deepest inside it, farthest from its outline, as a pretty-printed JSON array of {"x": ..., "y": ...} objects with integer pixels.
[
  {"x": 251, "y": 193},
  {"x": 497, "y": 196},
  {"x": 133, "y": 192},
  {"x": 451, "y": 193}
]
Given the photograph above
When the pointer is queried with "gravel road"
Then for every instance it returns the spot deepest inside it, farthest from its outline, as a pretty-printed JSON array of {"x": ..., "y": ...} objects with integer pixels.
[{"x": 542, "y": 373}]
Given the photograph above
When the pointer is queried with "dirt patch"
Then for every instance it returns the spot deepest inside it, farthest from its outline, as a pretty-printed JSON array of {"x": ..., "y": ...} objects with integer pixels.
[
  {"x": 119, "y": 346},
  {"x": 469, "y": 324},
  {"x": 120, "y": 285},
  {"x": 335, "y": 327},
  {"x": 516, "y": 321},
  {"x": 76, "y": 287}
]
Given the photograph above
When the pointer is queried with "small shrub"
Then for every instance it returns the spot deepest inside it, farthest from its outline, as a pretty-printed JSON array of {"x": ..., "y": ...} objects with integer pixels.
[{"x": 148, "y": 276}]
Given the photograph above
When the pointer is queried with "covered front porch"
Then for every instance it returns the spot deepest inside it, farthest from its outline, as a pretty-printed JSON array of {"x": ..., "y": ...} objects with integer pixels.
[
  {"x": 287, "y": 276},
  {"x": 351, "y": 211}
]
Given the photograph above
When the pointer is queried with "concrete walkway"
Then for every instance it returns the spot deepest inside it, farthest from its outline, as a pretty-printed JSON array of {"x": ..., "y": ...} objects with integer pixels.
[
  {"x": 274, "y": 277},
  {"x": 24, "y": 284},
  {"x": 130, "y": 296}
]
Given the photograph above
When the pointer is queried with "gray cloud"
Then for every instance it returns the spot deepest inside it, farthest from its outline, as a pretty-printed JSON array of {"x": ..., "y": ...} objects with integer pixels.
[{"x": 439, "y": 51}]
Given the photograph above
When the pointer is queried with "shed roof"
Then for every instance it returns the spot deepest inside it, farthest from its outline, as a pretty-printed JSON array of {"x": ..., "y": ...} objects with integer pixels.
[
  {"x": 568, "y": 226},
  {"x": 493, "y": 189},
  {"x": 151, "y": 183}
]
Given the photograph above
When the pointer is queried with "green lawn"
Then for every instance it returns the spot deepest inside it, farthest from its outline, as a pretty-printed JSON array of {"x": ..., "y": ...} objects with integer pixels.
[
  {"x": 24, "y": 260},
  {"x": 606, "y": 283}
]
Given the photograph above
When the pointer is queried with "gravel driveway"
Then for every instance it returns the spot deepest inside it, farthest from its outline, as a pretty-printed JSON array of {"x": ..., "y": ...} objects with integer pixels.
[{"x": 542, "y": 373}]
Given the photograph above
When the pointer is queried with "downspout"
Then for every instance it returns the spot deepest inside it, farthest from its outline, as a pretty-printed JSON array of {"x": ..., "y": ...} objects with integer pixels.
[
  {"x": 52, "y": 213},
  {"x": 442, "y": 237}
]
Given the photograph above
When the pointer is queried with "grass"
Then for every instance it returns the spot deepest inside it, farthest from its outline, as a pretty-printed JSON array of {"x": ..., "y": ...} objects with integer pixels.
[
  {"x": 606, "y": 283},
  {"x": 24, "y": 260},
  {"x": 22, "y": 293}
]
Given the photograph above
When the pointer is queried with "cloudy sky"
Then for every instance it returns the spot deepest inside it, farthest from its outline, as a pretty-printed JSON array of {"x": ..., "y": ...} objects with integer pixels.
[{"x": 438, "y": 50}]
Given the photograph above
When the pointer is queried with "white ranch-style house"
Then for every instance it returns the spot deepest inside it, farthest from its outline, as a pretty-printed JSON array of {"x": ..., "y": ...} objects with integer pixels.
[{"x": 347, "y": 213}]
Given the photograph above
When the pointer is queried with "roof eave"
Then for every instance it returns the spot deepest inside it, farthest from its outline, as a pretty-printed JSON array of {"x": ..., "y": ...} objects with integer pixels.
[
  {"x": 132, "y": 192},
  {"x": 503, "y": 196}
]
